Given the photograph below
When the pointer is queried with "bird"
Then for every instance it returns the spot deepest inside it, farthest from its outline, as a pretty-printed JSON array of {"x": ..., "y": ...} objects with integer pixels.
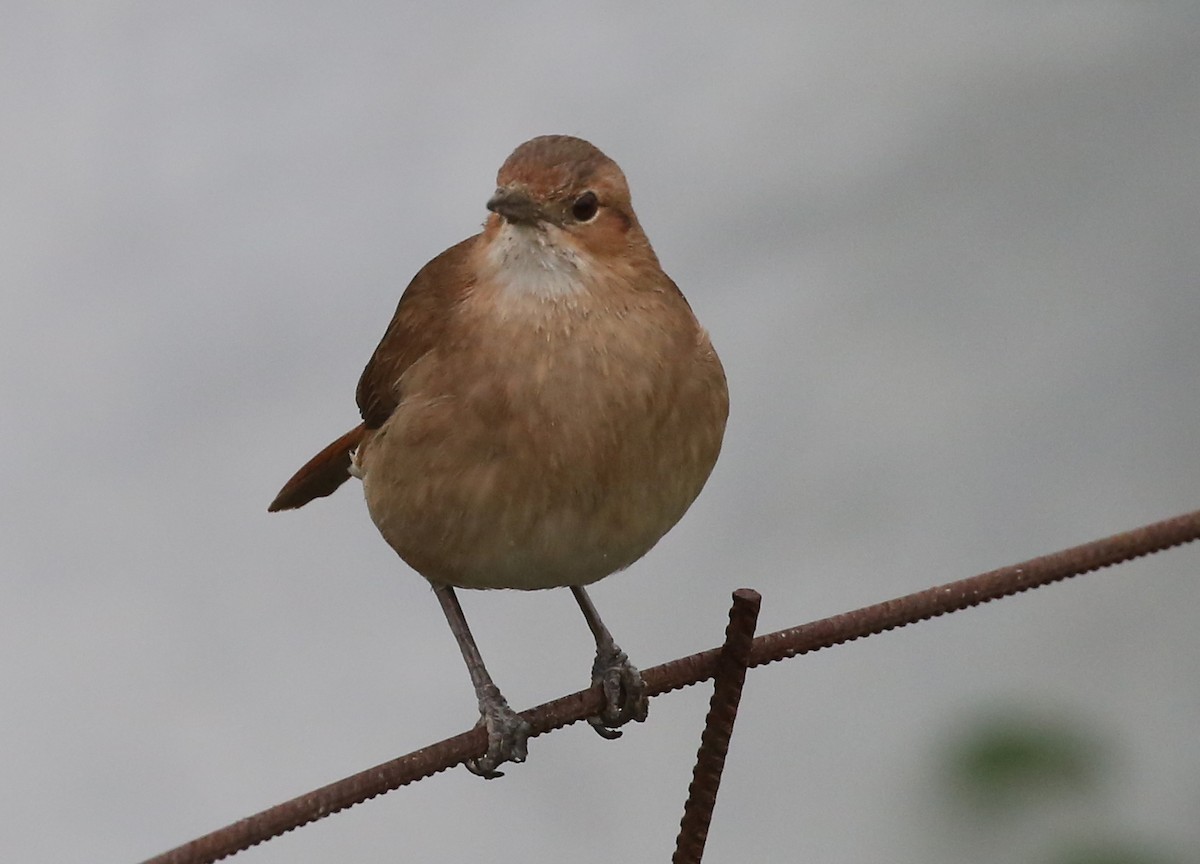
[{"x": 543, "y": 407}]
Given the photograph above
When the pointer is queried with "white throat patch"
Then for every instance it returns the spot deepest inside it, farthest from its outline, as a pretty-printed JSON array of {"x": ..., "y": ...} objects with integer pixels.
[{"x": 526, "y": 262}]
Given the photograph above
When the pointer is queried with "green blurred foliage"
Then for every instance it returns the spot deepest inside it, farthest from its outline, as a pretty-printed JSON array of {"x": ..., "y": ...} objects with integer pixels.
[
  {"x": 1013, "y": 760},
  {"x": 1021, "y": 785},
  {"x": 1115, "y": 852}
]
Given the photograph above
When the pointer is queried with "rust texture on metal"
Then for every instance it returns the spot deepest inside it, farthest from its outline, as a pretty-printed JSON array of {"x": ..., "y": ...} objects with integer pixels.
[
  {"x": 977, "y": 590},
  {"x": 718, "y": 727},
  {"x": 693, "y": 669}
]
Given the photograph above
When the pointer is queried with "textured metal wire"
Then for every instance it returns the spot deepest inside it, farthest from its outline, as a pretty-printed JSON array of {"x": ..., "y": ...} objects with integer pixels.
[
  {"x": 685, "y": 671},
  {"x": 718, "y": 727}
]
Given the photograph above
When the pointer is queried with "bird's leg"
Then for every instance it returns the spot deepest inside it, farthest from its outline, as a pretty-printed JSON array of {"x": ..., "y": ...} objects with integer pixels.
[
  {"x": 507, "y": 730},
  {"x": 624, "y": 691}
]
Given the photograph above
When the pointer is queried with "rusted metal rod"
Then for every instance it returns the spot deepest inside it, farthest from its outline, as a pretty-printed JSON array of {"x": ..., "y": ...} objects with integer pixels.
[
  {"x": 693, "y": 669},
  {"x": 718, "y": 727}
]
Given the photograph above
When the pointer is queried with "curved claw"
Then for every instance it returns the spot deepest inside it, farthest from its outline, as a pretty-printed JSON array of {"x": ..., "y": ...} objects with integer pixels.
[
  {"x": 508, "y": 734},
  {"x": 606, "y": 732},
  {"x": 624, "y": 693}
]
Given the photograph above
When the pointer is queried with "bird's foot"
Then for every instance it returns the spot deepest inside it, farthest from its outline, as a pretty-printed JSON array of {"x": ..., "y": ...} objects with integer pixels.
[
  {"x": 508, "y": 733},
  {"x": 624, "y": 692}
]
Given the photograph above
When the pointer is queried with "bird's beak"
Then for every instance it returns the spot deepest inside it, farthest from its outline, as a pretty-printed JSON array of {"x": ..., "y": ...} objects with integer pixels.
[{"x": 515, "y": 205}]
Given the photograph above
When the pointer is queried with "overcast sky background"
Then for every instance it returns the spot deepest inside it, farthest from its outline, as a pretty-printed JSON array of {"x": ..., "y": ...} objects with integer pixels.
[{"x": 948, "y": 254}]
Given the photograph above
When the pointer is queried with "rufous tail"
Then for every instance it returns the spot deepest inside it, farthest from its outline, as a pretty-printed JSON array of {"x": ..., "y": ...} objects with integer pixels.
[{"x": 321, "y": 475}]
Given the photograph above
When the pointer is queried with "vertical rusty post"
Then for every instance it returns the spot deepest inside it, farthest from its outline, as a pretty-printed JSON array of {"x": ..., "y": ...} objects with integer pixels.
[{"x": 718, "y": 727}]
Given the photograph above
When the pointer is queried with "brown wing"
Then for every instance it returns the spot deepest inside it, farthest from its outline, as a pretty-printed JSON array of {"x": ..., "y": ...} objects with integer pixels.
[{"x": 416, "y": 328}]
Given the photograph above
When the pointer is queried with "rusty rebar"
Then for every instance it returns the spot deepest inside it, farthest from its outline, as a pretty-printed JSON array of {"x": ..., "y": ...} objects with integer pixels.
[
  {"x": 690, "y": 670},
  {"x": 718, "y": 727},
  {"x": 977, "y": 590}
]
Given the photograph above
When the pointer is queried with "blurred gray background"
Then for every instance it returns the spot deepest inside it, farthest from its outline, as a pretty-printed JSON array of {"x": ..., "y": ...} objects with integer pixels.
[{"x": 948, "y": 253}]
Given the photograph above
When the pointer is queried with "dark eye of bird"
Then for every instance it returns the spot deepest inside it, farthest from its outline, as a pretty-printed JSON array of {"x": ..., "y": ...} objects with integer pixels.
[{"x": 585, "y": 207}]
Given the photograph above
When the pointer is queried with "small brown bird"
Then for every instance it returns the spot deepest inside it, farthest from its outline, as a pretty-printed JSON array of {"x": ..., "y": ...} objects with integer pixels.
[{"x": 542, "y": 409}]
